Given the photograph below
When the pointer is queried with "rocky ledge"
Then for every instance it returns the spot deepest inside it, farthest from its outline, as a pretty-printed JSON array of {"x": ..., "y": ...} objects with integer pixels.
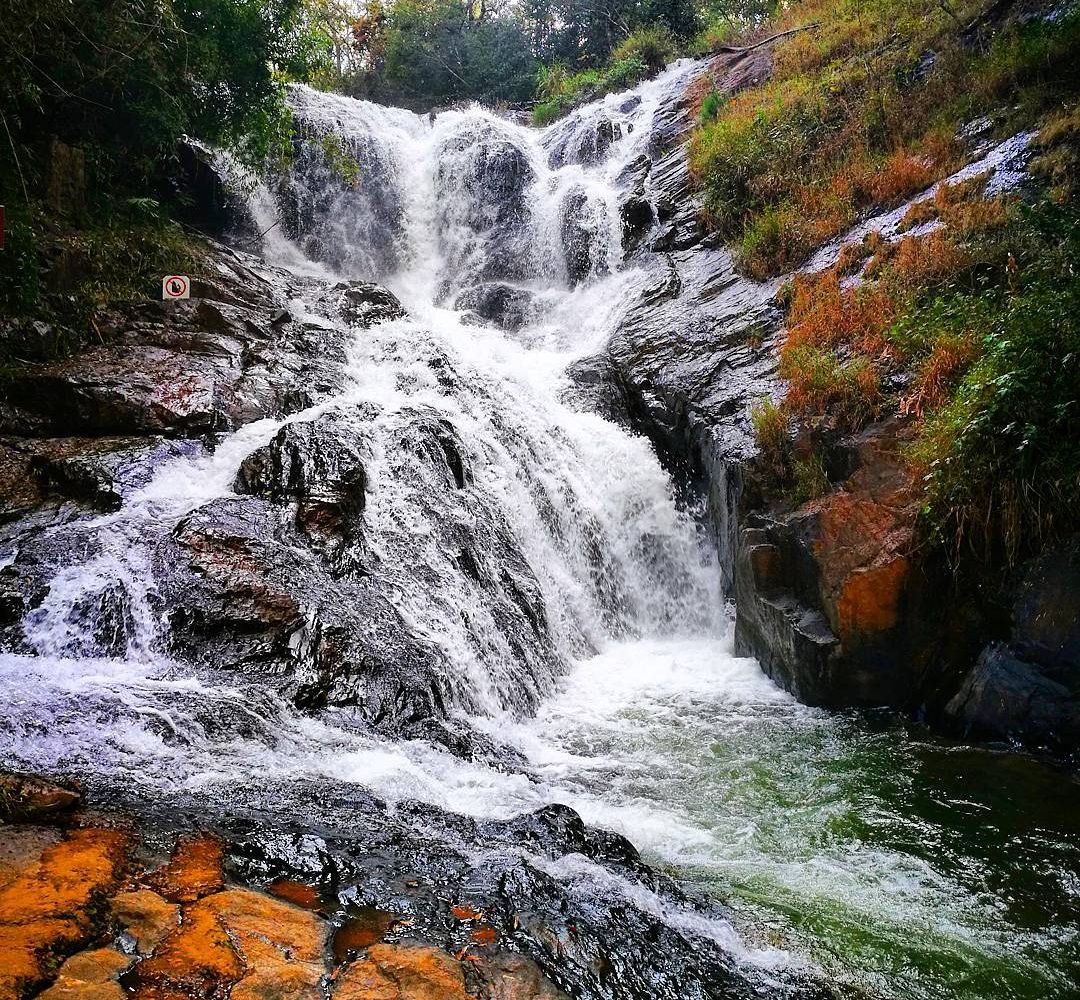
[
  {"x": 92, "y": 910},
  {"x": 117, "y": 897},
  {"x": 835, "y": 597}
]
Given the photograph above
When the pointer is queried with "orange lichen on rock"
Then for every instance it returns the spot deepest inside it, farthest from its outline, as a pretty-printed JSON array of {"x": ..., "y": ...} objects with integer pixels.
[
  {"x": 194, "y": 871},
  {"x": 237, "y": 943},
  {"x": 146, "y": 916},
  {"x": 52, "y": 905},
  {"x": 403, "y": 972},
  {"x": 281, "y": 946},
  {"x": 197, "y": 959},
  {"x": 295, "y": 892},
  {"x": 90, "y": 975}
]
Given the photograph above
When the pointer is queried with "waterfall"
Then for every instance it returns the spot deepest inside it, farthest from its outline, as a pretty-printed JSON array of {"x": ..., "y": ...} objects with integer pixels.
[
  {"x": 431, "y": 581},
  {"x": 503, "y": 529}
]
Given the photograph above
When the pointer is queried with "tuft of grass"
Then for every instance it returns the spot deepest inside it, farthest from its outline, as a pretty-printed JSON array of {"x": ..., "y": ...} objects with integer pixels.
[
  {"x": 809, "y": 479},
  {"x": 770, "y": 423},
  {"x": 820, "y": 383}
]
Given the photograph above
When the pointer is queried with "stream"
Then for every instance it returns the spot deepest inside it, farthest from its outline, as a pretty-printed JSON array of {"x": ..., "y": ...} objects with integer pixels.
[{"x": 855, "y": 850}]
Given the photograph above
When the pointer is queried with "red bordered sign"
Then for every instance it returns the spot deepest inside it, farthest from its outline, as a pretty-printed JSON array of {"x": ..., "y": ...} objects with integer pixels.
[{"x": 175, "y": 286}]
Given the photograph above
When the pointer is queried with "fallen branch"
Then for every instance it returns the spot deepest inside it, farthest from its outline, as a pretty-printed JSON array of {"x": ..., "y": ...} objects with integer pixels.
[{"x": 739, "y": 50}]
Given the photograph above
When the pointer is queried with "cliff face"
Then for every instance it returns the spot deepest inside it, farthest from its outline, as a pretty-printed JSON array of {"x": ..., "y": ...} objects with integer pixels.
[{"x": 841, "y": 597}]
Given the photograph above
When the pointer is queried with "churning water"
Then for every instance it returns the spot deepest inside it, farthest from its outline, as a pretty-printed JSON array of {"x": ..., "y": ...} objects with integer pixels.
[{"x": 901, "y": 866}]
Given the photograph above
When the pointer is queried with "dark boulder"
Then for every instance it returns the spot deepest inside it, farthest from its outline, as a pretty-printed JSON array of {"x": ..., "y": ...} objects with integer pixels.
[
  {"x": 481, "y": 182},
  {"x": 502, "y": 305},
  {"x": 584, "y": 141},
  {"x": 1027, "y": 687},
  {"x": 209, "y": 197},
  {"x": 361, "y": 303}
]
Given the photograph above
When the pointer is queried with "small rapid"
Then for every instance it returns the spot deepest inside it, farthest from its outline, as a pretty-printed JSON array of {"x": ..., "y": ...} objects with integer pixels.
[{"x": 559, "y": 581}]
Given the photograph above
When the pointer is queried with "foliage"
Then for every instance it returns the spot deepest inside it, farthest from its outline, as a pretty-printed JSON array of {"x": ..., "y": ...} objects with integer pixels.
[
  {"x": 770, "y": 423},
  {"x": 1001, "y": 459},
  {"x": 787, "y": 165},
  {"x": 128, "y": 77},
  {"x": 653, "y": 46},
  {"x": 569, "y": 90},
  {"x": 63, "y": 275}
]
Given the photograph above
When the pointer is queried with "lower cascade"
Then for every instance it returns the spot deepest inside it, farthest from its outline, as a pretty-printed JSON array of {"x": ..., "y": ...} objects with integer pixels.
[{"x": 387, "y": 588}]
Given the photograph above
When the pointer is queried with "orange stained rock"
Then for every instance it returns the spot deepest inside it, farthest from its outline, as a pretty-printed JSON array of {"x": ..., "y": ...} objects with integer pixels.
[
  {"x": 51, "y": 905},
  {"x": 196, "y": 960},
  {"x": 361, "y": 931},
  {"x": 146, "y": 916},
  {"x": 295, "y": 892},
  {"x": 89, "y": 975},
  {"x": 194, "y": 871},
  {"x": 869, "y": 600},
  {"x": 239, "y": 944},
  {"x": 402, "y": 972}
]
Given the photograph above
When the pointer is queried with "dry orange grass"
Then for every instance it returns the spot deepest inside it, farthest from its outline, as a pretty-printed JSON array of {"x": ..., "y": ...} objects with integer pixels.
[{"x": 939, "y": 373}]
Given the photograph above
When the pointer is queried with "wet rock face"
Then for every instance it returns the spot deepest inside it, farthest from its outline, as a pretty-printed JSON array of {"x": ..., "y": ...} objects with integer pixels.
[
  {"x": 151, "y": 908},
  {"x": 828, "y": 596},
  {"x": 505, "y": 306},
  {"x": 298, "y": 577},
  {"x": 483, "y": 218},
  {"x": 352, "y": 227}
]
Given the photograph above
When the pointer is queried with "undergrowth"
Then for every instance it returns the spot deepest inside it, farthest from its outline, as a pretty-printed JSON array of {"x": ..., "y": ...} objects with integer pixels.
[{"x": 863, "y": 112}]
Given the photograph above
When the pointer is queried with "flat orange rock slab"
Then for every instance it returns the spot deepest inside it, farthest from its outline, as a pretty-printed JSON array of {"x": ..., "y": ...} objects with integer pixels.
[
  {"x": 46, "y": 905},
  {"x": 403, "y": 972},
  {"x": 195, "y": 870},
  {"x": 240, "y": 944}
]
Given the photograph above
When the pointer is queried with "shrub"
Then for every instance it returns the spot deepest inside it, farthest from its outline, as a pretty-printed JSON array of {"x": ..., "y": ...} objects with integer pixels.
[
  {"x": 653, "y": 46},
  {"x": 710, "y": 106},
  {"x": 770, "y": 425},
  {"x": 1002, "y": 457}
]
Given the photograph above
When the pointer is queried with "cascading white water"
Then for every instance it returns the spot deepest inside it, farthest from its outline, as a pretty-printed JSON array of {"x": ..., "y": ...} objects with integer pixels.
[{"x": 640, "y": 716}]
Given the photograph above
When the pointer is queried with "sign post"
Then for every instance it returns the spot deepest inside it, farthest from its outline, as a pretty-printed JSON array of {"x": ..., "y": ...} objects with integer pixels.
[{"x": 175, "y": 286}]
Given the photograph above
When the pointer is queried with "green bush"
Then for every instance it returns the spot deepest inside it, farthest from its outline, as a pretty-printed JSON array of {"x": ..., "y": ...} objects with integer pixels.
[
  {"x": 653, "y": 46},
  {"x": 710, "y": 106}
]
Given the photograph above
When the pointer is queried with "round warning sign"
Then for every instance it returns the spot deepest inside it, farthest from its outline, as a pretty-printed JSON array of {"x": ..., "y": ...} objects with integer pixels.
[{"x": 175, "y": 286}]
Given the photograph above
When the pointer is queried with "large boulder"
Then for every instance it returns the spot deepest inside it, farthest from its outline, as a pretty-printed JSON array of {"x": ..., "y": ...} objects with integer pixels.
[
  {"x": 584, "y": 228},
  {"x": 1026, "y": 687}
]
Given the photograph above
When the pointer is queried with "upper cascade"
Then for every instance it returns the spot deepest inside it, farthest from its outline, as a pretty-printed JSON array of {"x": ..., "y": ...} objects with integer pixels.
[{"x": 466, "y": 197}]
